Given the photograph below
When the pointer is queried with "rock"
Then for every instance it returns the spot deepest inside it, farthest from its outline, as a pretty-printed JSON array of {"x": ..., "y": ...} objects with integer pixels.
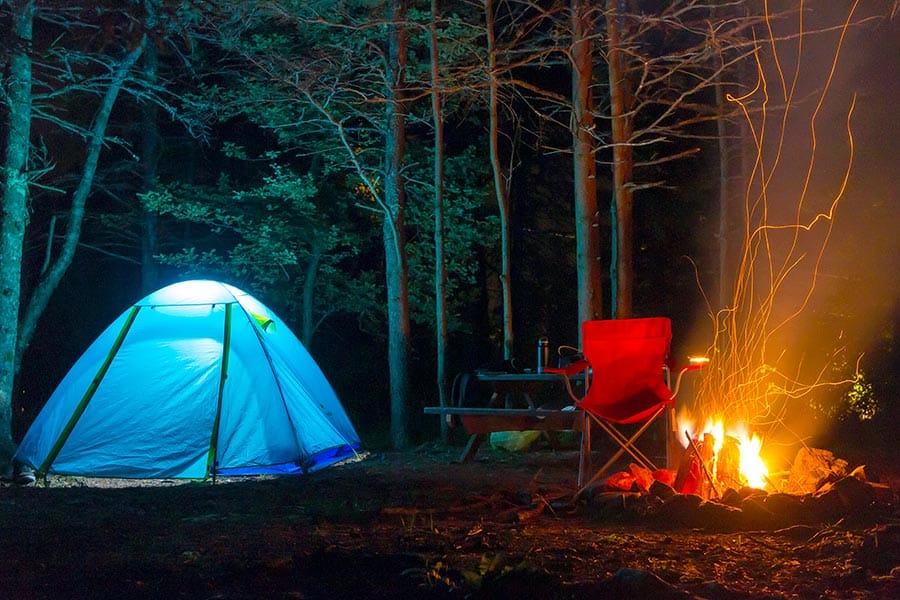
[
  {"x": 662, "y": 490},
  {"x": 747, "y": 491},
  {"x": 719, "y": 517},
  {"x": 883, "y": 493},
  {"x": 732, "y": 497},
  {"x": 523, "y": 498},
  {"x": 646, "y": 506},
  {"x": 812, "y": 468},
  {"x": 680, "y": 510},
  {"x": 856, "y": 493},
  {"x": 844, "y": 497},
  {"x": 612, "y": 504},
  {"x": 826, "y": 505},
  {"x": 787, "y": 508},
  {"x": 758, "y": 516}
]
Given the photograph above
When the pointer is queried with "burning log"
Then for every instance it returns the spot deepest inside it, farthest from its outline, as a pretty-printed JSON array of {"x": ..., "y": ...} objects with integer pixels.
[
  {"x": 728, "y": 464},
  {"x": 687, "y": 477},
  {"x": 695, "y": 469},
  {"x": 706, "y": 452}
]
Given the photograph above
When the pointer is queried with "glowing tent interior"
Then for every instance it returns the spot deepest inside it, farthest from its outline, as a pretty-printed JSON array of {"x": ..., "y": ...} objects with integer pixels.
[{"x": 197, "y": 379}]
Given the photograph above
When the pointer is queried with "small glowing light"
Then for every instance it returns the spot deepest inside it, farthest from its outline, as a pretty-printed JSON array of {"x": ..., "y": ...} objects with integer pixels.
[{"x": 698, "y": 360}]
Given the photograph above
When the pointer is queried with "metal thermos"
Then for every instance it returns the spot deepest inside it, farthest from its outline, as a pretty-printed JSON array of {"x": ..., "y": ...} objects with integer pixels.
[{"x": 543, "y": 354}]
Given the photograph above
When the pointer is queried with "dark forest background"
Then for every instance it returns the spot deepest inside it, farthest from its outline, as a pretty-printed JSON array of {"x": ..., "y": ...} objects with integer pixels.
[{"x": 241, "y": 182}]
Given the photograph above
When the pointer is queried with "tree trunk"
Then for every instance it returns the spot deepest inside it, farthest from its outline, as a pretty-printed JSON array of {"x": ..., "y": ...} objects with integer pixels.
[
  {"x": 440, "y": 267},
  {"x": 15, "y": 212},
  {"x": 309, "y": 292},
  {"x": 623, "y": 165},
  {"x": 50, "y": 280},
  {"x": 587, "y": 221},
  {"x": 394, "y": 235},
  {"x": 150, "y": 146},
  {"x": 500, "y": 188},
  {"x": 724, "y": 195}
]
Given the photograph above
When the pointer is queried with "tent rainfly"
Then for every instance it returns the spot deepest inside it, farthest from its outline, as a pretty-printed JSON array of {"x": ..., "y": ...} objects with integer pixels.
[{"x": 197, "y": 379}]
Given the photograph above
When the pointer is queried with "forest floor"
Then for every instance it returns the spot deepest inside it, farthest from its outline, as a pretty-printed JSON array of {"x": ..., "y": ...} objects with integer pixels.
[{"x": 408, "y": 525}]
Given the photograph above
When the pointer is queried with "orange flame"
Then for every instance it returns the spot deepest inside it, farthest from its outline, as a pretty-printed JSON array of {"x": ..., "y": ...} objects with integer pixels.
[{"x": 753, "y": 469}]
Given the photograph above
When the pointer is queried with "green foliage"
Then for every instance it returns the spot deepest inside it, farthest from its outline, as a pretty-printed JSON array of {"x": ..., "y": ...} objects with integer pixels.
[
  {"x": 441, "y": 576},
  {"x": 860, "y": 399},
  {"x": 315, "y": 92},
  {"x": 276, "y": 237},
  {"x": 470, "y": 226}
]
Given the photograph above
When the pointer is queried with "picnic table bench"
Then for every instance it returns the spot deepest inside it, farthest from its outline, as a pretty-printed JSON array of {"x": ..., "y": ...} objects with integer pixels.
[{"x": 512, "y": 405}]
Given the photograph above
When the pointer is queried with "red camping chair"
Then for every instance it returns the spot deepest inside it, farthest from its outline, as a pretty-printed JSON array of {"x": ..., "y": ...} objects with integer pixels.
[{"x": 626, "y": 377}]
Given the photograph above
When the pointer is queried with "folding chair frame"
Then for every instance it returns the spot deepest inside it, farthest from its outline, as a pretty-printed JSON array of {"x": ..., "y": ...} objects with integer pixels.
[{"x": 627, "y": 444}]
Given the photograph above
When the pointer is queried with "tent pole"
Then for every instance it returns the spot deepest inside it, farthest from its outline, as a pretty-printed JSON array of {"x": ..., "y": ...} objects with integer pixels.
[
  {"x": 211, "y": 466},
  {"x": 88, "y": 394}
]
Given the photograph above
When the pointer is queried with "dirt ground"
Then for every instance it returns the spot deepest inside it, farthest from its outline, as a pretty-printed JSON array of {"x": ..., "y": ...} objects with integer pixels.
[{"x": 409, "y": 525}]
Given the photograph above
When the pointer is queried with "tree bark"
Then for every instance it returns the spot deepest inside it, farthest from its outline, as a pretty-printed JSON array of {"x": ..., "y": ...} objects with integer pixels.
[
  {"x": 50, "y": 280},
  {"x": 15, "y": 212},
  {"x": 309, "y": 292},
  {"x": 440, "y": 267},
  {"x": 393, "y": 229},
  {"x": 724, "y": 194},
  {"x": 623, "y": 164},
  {"x": 500, "y": 188},
  {"x": 587, "y": 222},
  {"x": 150, "y": 146}
]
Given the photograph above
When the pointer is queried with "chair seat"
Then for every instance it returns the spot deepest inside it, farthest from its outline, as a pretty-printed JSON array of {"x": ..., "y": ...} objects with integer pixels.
[{"x": 636, "y": 408}]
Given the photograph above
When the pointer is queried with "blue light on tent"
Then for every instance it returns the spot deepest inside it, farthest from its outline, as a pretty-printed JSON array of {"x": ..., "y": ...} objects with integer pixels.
[{"x": 146, "y": 397}]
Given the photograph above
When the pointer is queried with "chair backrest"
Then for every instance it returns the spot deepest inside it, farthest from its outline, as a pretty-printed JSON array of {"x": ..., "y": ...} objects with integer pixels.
[{"x": 627, "y": 357}]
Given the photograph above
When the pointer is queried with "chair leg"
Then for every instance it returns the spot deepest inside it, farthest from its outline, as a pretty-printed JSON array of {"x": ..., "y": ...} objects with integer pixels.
[
  {"x": 599, "y": 474},
  {"x": 625, "y": 445},
  {"x": 628, "y": 444},
  {"x": 584, "y": 459}
]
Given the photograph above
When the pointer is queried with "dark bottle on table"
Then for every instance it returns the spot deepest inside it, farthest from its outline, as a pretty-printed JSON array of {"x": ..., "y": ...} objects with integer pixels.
[{"x": 543, "y": 354}]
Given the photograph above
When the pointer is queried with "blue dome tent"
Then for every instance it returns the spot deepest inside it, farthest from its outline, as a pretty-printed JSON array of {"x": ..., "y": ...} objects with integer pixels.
[{"x": 197, "y": 379}]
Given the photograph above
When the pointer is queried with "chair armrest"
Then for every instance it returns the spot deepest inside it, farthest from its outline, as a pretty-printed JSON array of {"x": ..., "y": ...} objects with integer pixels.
[
  {"x": 694, "y": 364},
  {"x": 570, "y": 370}
]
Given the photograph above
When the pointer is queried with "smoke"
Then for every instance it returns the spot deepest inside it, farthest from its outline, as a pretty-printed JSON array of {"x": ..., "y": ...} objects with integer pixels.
[{"x": 816, "y": 291}]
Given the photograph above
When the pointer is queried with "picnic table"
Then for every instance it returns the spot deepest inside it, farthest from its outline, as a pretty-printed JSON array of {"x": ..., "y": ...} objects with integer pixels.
[{"x": 512, "y": 405}]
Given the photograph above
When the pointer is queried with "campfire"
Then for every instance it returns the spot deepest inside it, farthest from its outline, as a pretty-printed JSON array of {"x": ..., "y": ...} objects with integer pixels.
[
  {"x": 717, "y": 458},
  {"x": 765, "y": 374}
]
